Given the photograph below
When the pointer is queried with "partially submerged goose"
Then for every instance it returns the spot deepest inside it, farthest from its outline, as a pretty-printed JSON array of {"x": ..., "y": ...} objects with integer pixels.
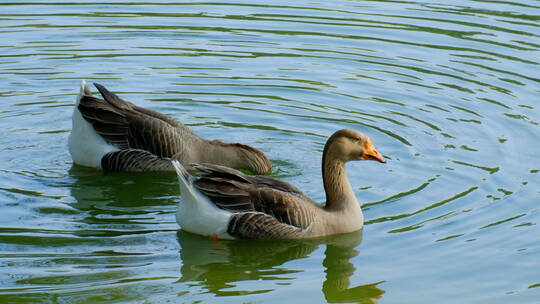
[
  {"x": 226, "y": 203},
  {"x": 114, "y": 134}
]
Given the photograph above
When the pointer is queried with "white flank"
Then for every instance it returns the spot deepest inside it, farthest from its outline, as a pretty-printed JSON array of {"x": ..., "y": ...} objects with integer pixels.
[
  {"x": 86, "y": 146},
  {"x": 196, "y": 213}
]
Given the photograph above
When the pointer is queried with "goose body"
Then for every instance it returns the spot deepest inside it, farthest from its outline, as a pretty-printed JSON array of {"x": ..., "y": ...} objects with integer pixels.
[
  {"x": 110, "y": 133},
  {"x": 226, "y": 203}
]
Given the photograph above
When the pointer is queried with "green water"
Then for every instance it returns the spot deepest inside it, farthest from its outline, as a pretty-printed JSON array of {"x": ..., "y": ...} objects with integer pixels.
[{"x": 448, "y": 92}]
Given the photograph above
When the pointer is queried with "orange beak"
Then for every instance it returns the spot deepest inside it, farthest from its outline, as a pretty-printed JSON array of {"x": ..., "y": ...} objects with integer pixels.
[{"x": 371, "y": 154}]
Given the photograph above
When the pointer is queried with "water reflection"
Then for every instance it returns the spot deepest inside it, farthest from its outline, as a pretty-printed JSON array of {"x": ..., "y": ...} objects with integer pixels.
[
  {"x": 448, "y": 91},
  {"x": 116, "y": 204},
  {"x": 219, "y": 266},
  {"x": 119, "y": 189},
  {"x": 107, "y": 244}
]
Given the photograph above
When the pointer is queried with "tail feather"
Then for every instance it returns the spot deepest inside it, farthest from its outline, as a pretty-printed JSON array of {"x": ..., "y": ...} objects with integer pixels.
[
  {"x": 83, "y": 91},
  {"x": 112, "y": 98},
  {"x": 180, "y": 170},
  {"x": 186, "y": 187}
]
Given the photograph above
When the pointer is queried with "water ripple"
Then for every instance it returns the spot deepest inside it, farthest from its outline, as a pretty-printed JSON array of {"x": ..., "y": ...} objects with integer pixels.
[{"x": 447, "y": 91}]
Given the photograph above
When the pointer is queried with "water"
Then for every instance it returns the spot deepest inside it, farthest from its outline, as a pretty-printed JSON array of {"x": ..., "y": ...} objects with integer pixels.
[{"x": 448, "y": 93}]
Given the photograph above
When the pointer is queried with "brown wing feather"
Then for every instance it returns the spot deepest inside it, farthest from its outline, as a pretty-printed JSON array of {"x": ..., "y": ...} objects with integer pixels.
[
  {"x": 212, "y": 171},
  {"x": 285, "y": 207},
  {"x": 273, "y": 183},
  {"x": 153, "y": 135},
  {"x": 110, "y": 123},
  {"x": 254, "y": 225},
  {"x": 165, "y": 118},
  {"x": 226, "y": 194},
  {"x": 120, "y": 103},
  {"x": 131, "y": 160},
  {"x": 234, "y": 191},
  {"x": 258, "y": 181},
  {"x": 127, "y": 126}
]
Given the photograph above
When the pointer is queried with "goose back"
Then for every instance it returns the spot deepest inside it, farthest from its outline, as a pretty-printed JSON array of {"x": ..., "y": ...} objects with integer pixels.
[
  {"x": 127, "y": 126},
  {"x": 262, "y": 207}
]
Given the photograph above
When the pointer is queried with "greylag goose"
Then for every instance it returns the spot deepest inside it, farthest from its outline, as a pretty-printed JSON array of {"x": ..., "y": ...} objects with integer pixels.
[
  {"x": 225, "y": 203},
  {"x": 114, "y": 134}
]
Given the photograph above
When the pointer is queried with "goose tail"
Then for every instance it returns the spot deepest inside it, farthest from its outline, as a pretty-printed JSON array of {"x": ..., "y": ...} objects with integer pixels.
[
  {"x": 84, "y": 91},
  {"x": 186, "y": 188}
]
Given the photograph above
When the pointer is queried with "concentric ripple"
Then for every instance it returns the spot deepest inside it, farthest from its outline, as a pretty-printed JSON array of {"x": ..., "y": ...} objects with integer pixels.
[{"x": 448, "y": 93}]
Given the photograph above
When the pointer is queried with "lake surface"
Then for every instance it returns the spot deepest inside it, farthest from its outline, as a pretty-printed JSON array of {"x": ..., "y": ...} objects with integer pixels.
[{"x": 449, "y": 94}]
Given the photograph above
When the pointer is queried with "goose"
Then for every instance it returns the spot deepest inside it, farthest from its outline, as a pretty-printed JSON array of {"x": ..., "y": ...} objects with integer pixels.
[
  {"x": 116, "y": 135},
  {"x": 224, "y": 203}
]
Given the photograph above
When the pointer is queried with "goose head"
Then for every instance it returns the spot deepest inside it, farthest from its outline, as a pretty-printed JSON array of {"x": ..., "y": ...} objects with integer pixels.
[{"x": 347, "y": 145}]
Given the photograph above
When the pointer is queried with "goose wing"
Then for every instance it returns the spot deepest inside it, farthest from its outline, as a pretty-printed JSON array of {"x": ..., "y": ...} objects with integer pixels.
[
  {"x": 263, "y": 207},
  {"x": 127, "y": 126},
  {"x": 123, "y": 104},
  {"x": 257, "y": 181}
]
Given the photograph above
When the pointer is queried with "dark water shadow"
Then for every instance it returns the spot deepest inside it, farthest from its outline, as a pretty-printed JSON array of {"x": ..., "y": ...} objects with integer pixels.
[
  {"x": 219, "y": 267},
  {"x": 119, "y": 203},
  {"x": 121, "y": 189}
]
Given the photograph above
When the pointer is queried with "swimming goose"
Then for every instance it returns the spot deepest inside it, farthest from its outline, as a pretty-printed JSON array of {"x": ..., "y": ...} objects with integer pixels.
[
  {"x": 114, "y": 134},
  {"x": 225, "y": 203}
]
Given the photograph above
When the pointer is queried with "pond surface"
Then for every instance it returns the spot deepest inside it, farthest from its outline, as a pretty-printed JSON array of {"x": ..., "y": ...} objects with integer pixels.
[{"x": 449, "y": 94}]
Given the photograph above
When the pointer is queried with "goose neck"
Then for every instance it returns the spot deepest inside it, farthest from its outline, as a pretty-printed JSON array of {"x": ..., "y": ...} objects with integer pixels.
[{"x": 339, "y": 193}]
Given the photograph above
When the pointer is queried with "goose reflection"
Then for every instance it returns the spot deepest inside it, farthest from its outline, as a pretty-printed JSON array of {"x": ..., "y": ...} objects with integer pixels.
[
  {"x": 218, "y": 266},
  {"x": 116, "y": 203},
  {"x": 119, "y": 189}
]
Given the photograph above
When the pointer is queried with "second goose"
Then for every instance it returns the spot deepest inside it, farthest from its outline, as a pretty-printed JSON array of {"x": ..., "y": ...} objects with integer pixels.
[{"x": 114, "y": 134}]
